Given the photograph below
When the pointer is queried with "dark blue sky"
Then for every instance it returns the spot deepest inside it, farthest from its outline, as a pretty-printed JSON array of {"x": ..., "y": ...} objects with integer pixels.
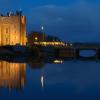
[{"x": 71, "y": 20}]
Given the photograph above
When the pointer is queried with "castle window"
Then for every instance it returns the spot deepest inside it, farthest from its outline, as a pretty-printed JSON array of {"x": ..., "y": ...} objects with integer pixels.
[
  {"x": 7, "y": 30},
  {"x": 7, "y": 40},
  {"x": 15, "y": 37},
  {"x": 14, "y": 26}
]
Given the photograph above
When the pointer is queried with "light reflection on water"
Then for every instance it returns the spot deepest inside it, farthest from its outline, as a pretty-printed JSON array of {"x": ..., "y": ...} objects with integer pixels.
[{"x": 46, "y": 80}]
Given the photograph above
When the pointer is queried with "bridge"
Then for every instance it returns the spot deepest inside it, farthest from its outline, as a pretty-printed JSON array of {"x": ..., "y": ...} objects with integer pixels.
[
  {"x": 78, "y": 47},
  {"x": 73, "y": 51},
  {"x": 86, "y": 46}
]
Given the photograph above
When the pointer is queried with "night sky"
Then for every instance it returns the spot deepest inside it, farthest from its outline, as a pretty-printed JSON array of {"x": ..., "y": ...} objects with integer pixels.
[{"x": 71, "y": 20}]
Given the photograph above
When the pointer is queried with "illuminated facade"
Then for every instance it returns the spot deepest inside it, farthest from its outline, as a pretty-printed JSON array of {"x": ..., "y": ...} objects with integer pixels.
[
  {"x": 38, "y": 38},
  {"x": 12, "y": 29},
  {"x": 12, "y": 75},
  {"x": 53, "y": 43}
]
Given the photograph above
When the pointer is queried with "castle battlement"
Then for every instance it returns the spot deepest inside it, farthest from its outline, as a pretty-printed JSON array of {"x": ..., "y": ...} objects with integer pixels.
[{"x": 12, "y": 29}]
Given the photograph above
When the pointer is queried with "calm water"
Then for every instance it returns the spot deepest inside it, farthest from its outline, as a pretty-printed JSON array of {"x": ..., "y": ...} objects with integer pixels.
[{"x": 69, "y": 80}]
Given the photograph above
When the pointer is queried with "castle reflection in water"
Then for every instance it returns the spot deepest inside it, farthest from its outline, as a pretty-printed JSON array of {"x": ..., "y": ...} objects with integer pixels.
[{"x": 12, "y": 75}]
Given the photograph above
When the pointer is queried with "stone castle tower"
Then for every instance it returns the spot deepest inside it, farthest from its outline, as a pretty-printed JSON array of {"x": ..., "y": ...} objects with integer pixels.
[{"x": 13, "y": 29}]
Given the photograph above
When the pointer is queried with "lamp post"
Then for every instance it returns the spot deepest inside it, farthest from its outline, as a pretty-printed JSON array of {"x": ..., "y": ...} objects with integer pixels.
[{"x": 42, "y": 28}]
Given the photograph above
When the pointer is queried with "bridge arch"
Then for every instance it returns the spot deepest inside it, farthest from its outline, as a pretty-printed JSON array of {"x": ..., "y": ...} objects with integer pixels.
[{"x": 86, "y": 53}]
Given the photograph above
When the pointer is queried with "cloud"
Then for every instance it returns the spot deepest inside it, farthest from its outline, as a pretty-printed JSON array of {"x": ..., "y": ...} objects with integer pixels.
[{"x": 77, "y": 22}]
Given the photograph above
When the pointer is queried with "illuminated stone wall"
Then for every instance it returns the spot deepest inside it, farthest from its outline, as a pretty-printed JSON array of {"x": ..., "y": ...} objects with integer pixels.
[
  {"x": 12, "y": 75},
  {"x": 12, "y": 30}
]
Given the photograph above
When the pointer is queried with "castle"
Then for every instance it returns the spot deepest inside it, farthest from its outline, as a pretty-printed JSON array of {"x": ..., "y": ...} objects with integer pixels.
[{"x": 12, "y": 29}]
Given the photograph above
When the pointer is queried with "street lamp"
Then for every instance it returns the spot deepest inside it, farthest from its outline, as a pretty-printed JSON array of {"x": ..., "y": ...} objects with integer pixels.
[{"x": 42, "y": 28}]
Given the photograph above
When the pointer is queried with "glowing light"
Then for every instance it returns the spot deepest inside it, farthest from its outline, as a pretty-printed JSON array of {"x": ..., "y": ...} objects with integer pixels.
[
  {"x": 58, "y": 61},
  {"x": 36, "y": 38},
  {"x": 50, "y": 43},
  {"x": 71, "y": 44},
  {"x": 42, "y": 81},
  {"x": 42, "y": 28}
]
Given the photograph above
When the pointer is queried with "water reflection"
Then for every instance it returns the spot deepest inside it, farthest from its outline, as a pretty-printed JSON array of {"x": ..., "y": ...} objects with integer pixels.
[
  {"x": 12, "y": 75},
  {"x": 42, "y": 81},
  {"x": 41, "y": 78},
  {"x": 58, "y": 61},
  {"x": 13, "y": 71}
]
